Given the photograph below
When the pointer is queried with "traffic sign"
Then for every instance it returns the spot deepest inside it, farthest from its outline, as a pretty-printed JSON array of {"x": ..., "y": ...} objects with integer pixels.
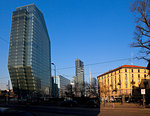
[{"x": 142, "y": 91}]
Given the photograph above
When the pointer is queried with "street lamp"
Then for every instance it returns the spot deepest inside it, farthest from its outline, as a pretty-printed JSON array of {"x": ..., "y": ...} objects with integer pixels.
[
  {"x": 145, "y": 84},
  {"x": 55, "y": 80}
]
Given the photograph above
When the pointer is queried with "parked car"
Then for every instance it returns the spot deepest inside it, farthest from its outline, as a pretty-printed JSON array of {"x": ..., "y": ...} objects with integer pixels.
[
  {"x": 113, "y": 100},
  {"x": 69, "y": 103},
  {"x": 13, "y": 100},
  {"x": 92, "y": 103}
]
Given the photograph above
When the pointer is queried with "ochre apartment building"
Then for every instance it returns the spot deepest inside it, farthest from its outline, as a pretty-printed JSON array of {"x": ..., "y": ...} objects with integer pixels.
[{"x": 120, "y": 82}]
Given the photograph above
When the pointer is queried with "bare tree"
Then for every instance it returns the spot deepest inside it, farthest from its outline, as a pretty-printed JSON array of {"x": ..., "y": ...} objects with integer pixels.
[
  {"x": 79, "y": 89},
  {"x": 141, "y": 11},
  {"x": 69, "y": 92},
  {"x": 91, "y": 90},
  {"x": 104, "y": 91}
]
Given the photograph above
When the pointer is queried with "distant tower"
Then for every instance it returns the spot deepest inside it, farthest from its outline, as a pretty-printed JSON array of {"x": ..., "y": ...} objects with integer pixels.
[
  {"x": 90, "y": 78},
  {"x": 79, "y": 71},
  {"x": 93, "y": 81},
  {"x": 80, "y": 77}
]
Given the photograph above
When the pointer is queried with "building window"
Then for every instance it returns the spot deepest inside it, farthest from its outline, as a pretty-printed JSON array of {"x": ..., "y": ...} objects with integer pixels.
[
  {"x": 132, "y": 80},
  {"x": 138, "y": 70},
  {"x": 119, "y": 79},
  {"x": 119, "y": 71},
  {"x": 125, "y": 79},
  {"x": 144, "y": 70},
  {"x": 138, "y": 75},
  {"x": 111, "y": 81},
  {"x": 132, "y": 77},
  {"x": 138, "y": 79},
  {"x": 145, "y": 76},
  {"x": 125, "y": 75},
  {"x": 132, "y": 70},
  {"x": 126, "y": 86},
  {"x": 125, "y": 70}
]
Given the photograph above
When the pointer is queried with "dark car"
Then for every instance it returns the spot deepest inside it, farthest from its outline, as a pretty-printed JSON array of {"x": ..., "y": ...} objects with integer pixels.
[
  {"x": 69, "y": 103},
  {"x": 92, "y": 103},
  {"x": 13, "y": 112}
]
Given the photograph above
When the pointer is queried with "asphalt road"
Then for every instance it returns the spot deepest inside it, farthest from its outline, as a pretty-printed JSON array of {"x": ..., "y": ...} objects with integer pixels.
[
  {"x": 108, "y": 110},
  {"x": 58, "y": 111}
]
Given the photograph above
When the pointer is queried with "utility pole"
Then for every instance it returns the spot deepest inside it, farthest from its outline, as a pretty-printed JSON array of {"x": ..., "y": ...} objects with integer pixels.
[{"x": 55, "y": 80}]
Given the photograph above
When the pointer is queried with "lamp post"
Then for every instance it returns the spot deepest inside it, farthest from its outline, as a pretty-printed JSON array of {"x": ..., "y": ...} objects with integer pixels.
[
  {"x": 145, "y": 84},
  {"x": 54, "y": 80}
]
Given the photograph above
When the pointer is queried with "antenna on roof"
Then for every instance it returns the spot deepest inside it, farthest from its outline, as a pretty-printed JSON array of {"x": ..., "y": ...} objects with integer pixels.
[{"x": 131, "y": 58}]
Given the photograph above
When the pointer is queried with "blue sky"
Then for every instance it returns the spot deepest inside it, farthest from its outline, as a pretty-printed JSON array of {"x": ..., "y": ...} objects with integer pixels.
[{"x": 94, "y": 31}]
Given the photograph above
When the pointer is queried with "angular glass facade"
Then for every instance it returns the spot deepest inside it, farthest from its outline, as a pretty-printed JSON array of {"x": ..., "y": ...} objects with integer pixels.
[{"x": 29, "y": 51}]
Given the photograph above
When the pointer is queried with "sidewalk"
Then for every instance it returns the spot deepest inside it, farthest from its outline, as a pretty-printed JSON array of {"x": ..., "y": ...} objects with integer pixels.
[
  {"x": 122, "y": 106},
  {"x": 125, "y": 109},
  {"x": 119, "y": 105}
]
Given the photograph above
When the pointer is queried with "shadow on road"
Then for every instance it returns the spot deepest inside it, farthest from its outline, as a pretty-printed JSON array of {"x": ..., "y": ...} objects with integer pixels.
[{"x": 56, "y": 110}]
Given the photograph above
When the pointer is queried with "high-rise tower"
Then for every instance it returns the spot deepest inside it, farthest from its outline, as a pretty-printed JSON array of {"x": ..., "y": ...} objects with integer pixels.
[
  {"x": 29, "y": 51},
  {"x": 79, "y": 78},
  {"x": 79, "y": 71}
]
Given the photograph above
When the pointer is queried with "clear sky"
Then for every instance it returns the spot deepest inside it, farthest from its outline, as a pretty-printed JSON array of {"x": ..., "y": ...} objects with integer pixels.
[{"x": 94, "y": 31}]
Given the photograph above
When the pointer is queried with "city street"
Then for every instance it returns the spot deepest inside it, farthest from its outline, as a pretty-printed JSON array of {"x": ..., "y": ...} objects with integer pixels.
[
  {"x": 127, "y": 109},
  {"x": 110, "y": 109},
  {"x": 42, "y": 110}
]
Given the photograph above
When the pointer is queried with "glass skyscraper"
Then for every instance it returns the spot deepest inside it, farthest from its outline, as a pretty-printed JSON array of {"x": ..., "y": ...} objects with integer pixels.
[
  {"x": 79, "y": 78},
  {"x": 79, "y": 71},
  {"x": 29, "y": 60}
]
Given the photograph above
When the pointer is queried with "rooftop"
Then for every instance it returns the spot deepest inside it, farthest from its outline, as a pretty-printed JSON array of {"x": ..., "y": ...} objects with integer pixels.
[
  {"x": 25, "y": 6},
  {"x": 123, "y": 66}
]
